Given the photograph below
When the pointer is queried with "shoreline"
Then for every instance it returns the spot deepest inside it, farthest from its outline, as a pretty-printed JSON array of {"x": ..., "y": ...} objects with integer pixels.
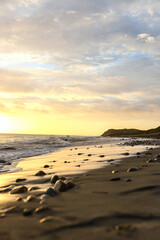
[{"x": 102, "y": 205}]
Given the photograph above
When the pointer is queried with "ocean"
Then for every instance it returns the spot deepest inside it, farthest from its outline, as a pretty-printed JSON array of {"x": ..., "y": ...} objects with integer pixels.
[{"x": 20, "y": 146}]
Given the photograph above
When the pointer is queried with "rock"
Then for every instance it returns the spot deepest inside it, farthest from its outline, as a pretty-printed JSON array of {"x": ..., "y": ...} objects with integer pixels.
[
  {"x": 65, "y": 161},
  {"x": 19, "y": 199},
  {"x": 43, "y": 196},
  {"x": 52, "y": 192},
  {"x": 125, "y": 154},
  {"x": 21, "y": 179},
  {"x": 40, "y": 173},
  {"x": 19, "y": 189},
  {"x": 77, "y": 165},
  {"x": 27, "y": 212},
  {"x": 128, "y": 180},
  {"x": 115, "y": 171},
  {"x": 2, "y": 161},
  {"x": 86, "y": 159},
  {"x": 7, "y": 189},
  {"x": 60, "y": 186},
  {"x": 42, "y": 209},
  {"x": 30, "y": 198},
  {"x": 69, "y": 184},
  {"x": 46, "y": 219},
  {"x": 138, "y": 153},
  {"x": 63, "y": 178},
  {"x": 150, "y": 161},
  {"x": 46, "y": 166},
  {"x": 79, "y": 153},
  {"x": 124, "y": 228},
  {"x": 54, "y": 179},
  {"x": 89, "y": 155},
  {"x": 2, "y": 215},
  {"x": 115, "y": 179},
  {"x": 102, "y": 156},
  {"x": 157, "y": 159},
  {"x": 12, "y": 209},
  {"x": 132, "y": 169},
  {"x": 33, "y": 188}
]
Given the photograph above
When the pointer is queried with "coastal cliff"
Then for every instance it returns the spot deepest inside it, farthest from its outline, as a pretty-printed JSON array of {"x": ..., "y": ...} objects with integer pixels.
[{"x": 155, "y": 132}]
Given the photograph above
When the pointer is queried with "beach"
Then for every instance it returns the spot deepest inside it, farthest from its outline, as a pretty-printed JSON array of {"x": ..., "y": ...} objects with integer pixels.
[{"x": 119, "y": 200}]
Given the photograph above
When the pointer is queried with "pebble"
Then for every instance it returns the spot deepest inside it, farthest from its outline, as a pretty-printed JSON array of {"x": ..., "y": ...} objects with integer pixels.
[
  {"x": 30, "y": 198},
  {"x": 79, "y": 153},
  {"x": 21, "y": 189},
  {"x": 27, "y": 212},
  {"x": 77, "y": 165},
  {"x": 115, "y": 171},
  {"x": 132, "y": 169},
  {"x": 60, "y": 186},
  {"x": 89, "y": 155},
  {"x": 44, "y": 196},
  {"x": 46, "y": 166},
  {"x": 46, "y": 219},
  {"x": 115, "y": 179},
  {"x": 54, "y": 179},
  {"x": 33, "y": 188},
  {"x": 125, "y": 154},
  {"x": 125, "y": 228},
  {"x": 69, "y": 184},
  {"x": 2, "y": 215},
  {"x": 19, "y": 199},
  {"x": 102, "y": 155},
  {"x": 12, "y": 209},
  {"x": 42, "y": 209},
  {"x": 21, "y": 179},
  {"x": 52, "y": 192},
  {"x": 128, "y": 180},
  {"x": 40, "y": 173}
]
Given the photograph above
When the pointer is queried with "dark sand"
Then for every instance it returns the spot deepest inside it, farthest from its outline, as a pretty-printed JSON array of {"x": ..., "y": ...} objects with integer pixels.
[{"x": 97, "y": 208}]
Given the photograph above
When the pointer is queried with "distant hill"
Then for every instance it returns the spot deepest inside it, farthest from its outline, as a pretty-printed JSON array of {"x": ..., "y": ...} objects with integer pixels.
[{"x": 155, "y": 132}]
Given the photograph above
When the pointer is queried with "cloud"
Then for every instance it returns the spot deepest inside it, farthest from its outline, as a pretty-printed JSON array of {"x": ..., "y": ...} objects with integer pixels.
[{"x": 79, "y": 57}]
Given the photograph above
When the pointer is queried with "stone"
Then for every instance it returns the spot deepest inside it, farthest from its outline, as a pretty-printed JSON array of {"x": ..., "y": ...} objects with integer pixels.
[
  {"x": 20, "y": 180},
  {"x": 150, "y": 161},
  {"x": 46, "y": 219},
  {"x": 46, "y": 166},
  {"x": 19, "y": 189},
  {"x": 79, "y": 154},
  {"x": 40, "y": 173},
  {"x": 115, "y": 179},
  {"x": 44, "y": 196},
  {"x": 128, "y": 180},
  {"x": 77, "y": 165},
  {"x": 30, "y": 198},
  {"x": 157, "y": 159},
  {"x": 2, "y": 215},
  {"x": 132, "y": 169},
  {"x": 33, "y": 188},
  {"x": 89, "y": 155},
  {"x": 54, "y": 179},
  {"x": 115, "y": 171},
  {"x": 60, "y": 186},
  {"x": 42, "y": 209},
  {"x": 12, "y": 209},
  {"x": 125, "y": 154},
  {"x": 52, "y": 192},
  {"x": 69, "y": 184},
  {"x": 27, "y": 212},
  {"x": 102, "y": 156},
  {"x": 7, "y": 189},
  {"x": 2, "y": 161},
  {"x": 19, "y": 199}
]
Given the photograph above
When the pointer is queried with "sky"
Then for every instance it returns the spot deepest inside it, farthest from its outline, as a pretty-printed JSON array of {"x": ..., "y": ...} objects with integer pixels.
[{"x": 79, "y": 67}]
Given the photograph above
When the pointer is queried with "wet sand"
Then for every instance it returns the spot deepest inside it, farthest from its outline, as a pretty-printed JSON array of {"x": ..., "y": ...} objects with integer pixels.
[{"x": 106, "y": 203}]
